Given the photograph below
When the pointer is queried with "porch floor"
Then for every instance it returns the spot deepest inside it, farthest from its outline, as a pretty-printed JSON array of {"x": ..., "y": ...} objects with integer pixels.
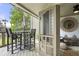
[{"x": 4, "y": 52}]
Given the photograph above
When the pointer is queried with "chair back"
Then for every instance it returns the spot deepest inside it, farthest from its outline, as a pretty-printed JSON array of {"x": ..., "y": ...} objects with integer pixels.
[
  {"x": 33, "y": 31},
  {"x": 8, "y": 31}
]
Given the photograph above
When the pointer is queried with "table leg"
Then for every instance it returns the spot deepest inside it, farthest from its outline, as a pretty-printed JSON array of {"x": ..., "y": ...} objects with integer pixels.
[
  {"x": 16, "y": 42},
  {"x": 34, "y": 41},
  {"x": 20, "y": 41},
  {"x": 30, "y": 44},
  {"x": 12, "y": 46}
]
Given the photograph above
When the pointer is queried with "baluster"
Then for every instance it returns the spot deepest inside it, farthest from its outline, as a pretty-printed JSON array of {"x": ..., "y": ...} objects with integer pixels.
[{"x": 45, "y": 44}]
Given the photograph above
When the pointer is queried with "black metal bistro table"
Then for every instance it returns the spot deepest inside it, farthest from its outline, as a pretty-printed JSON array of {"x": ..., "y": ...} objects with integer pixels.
[{"x": 25, "y": 35}]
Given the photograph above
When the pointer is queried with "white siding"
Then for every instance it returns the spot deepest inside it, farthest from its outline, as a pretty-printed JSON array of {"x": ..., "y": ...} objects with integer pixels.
[{"x": 35, "y": 25}]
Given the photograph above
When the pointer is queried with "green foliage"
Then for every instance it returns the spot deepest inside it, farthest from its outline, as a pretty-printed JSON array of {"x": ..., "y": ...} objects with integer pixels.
[{"x": 16, "y": 19}]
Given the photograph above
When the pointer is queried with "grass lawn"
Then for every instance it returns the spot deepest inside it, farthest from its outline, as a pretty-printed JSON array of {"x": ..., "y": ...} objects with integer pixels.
[
  {"x": 0, "y": 42},
  {"x": 5, "y": 41}
]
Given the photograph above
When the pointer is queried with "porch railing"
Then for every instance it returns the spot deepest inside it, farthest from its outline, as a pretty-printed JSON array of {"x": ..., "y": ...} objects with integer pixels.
[{"x": 46, "y": 44}]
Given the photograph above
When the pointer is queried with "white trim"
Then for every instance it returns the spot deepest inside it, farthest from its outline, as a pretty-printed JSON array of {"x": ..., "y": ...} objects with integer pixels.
[{"x": 24, "y": 10}]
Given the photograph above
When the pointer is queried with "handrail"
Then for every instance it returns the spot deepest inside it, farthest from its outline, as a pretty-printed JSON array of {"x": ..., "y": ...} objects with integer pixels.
[
  {"x": 46, "y": 35},
  {"x": 43, "y": 44}
]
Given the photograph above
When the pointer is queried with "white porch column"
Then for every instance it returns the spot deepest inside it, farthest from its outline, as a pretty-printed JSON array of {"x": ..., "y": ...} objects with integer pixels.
[
  {"x": 31, "y": 22},
  {"x": 56, "y": 28}
]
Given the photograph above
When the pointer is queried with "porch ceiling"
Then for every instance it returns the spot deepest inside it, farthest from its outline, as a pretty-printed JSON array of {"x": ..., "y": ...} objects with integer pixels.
[
  {"x": 35, "y": 8},
  {"x": 66, "y": 9}
]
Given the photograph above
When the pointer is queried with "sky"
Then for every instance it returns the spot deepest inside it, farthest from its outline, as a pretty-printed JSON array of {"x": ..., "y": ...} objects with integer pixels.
[{"x": 5, "y": 12}]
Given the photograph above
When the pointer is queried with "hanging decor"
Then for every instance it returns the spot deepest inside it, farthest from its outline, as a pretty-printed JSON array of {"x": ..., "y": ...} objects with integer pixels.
[{"x": 69, "y": 24}]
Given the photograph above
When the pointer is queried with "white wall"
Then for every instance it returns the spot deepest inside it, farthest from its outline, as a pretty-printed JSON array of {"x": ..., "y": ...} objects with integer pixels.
[
  {"x": 35, "y": 25},
  {"x": 70, "y": 34}
]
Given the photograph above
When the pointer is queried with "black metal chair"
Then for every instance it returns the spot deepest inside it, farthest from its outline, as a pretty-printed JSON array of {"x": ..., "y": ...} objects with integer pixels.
[
  {"x": 8, "y": 35},
  {"x": 14, "y": 37},
  {"x": 30, "y": 39}
]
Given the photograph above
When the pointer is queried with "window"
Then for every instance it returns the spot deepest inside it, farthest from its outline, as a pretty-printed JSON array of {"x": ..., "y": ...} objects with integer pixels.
[{"x": 46, "y": 23}]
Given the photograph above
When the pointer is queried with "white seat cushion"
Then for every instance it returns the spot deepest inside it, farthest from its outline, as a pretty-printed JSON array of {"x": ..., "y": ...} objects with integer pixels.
[{"x": 63, "y": 45}]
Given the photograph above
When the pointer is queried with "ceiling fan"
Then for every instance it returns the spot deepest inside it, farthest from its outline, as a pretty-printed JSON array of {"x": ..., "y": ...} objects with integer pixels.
[{"x": 76, "y": 8}]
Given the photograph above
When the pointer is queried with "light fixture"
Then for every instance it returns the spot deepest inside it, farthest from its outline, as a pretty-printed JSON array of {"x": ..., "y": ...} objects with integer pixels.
[
  {"x": 12, "y": 24},
  {"x": 76, "y": 9}
]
